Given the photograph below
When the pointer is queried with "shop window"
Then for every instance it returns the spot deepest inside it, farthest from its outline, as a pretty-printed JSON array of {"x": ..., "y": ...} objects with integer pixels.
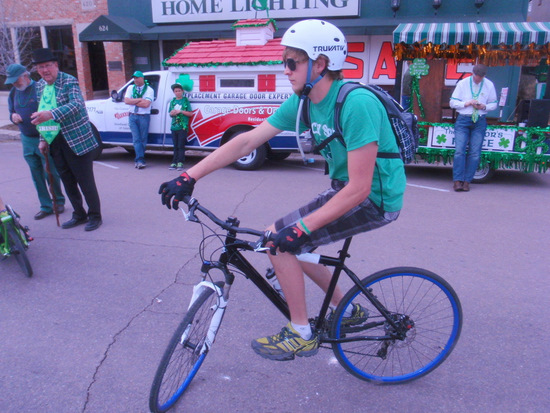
[
  {"x": 27, "y": 40},
  {"x": 207, "y": 83},
  {"x": 266, "y": 83},
  {"x": 60, "y": 41}
]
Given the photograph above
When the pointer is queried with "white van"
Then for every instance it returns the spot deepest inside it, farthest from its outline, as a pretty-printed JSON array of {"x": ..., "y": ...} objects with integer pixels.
[{"x": 228, "y": 97}]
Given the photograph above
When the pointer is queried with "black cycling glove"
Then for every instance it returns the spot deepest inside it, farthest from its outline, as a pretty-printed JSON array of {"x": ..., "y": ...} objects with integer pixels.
[
  {"x": 290, "y": 239},
  {"x": 176, "y": 188}
]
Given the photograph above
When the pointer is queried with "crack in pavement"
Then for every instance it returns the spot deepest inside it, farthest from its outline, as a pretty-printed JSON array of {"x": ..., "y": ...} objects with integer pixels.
[{"x": 150, "y": 305}]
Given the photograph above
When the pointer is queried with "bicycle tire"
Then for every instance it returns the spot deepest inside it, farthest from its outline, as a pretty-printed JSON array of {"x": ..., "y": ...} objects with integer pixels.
[
  {"x": 181, "y": 361},
  {"x": 17, "y": 249},
  {"x": 424, "y": 301}
]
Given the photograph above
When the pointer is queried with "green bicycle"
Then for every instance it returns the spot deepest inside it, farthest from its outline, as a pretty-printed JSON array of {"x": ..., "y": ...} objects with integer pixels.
[{"x": 14, "y": 239}]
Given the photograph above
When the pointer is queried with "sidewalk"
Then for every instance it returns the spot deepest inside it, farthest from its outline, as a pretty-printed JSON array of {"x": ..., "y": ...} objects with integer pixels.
[{"x": 8, "y": 131}]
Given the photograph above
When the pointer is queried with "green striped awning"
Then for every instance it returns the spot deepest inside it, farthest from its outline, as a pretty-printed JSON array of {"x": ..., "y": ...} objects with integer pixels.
[{"x": 478, "y": 33}]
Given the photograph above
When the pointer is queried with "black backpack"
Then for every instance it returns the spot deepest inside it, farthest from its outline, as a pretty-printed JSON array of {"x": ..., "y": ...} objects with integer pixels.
[{"x": 404, "y": 124}]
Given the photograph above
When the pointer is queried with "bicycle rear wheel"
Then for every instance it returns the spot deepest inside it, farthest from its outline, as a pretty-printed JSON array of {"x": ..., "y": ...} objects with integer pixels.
[
  {"x": 420, "y": 301},
  {"x": 17, "y": 249},
  {"x": 184, "y": 355}
]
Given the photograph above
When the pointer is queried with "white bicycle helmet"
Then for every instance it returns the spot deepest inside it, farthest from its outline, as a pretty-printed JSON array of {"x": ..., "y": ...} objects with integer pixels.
[{"x": 316, "y": 37}]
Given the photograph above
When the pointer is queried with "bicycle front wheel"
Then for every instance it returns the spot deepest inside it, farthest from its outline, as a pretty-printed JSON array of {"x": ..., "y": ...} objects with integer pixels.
[
  {"x": 17, "y": 249},
  {"x": 420, "y": 303},
  {"x": 185, "y": 353}
]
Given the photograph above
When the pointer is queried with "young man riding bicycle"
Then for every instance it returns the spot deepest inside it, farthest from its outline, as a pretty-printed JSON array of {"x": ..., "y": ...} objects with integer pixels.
[{"x": 366, "y": 192}]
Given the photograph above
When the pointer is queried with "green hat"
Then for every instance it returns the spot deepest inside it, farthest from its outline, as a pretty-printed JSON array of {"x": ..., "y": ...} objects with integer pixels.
[
  {"x": 14, "y": 71},
  {"x": 137, "y": 73},
  {"x": 176, "y": 86}
]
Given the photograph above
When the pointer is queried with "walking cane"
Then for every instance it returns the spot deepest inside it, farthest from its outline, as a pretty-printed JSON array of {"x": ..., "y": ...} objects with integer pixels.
[{"x": 50, "y": 180}]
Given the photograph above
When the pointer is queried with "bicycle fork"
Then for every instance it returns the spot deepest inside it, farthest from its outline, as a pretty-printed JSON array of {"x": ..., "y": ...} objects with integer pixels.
[{"x": 219, "y": 311}]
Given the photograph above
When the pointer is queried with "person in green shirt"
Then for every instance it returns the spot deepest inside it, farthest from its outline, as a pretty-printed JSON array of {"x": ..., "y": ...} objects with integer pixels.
[
  {"x": 180, "y": 112},
  {"x": 366, "y": 192}
]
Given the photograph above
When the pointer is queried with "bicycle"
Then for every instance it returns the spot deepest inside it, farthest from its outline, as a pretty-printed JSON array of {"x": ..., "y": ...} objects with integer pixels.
[
  {"x": 14, "y": 239},
  {"x": 414, "y": 316}
]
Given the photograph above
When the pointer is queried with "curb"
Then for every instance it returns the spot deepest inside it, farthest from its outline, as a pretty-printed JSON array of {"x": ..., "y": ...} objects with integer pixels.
[
  {"x": 6, "y": 131},
  {"x": 9, "y": 136}
]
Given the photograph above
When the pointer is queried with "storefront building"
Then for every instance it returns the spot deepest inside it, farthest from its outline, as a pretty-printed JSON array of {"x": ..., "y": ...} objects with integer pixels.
[
  {"x": 103, "y": 41},
  {"x": 30, "y": 24},
  {"x": 149, "y": 31}
]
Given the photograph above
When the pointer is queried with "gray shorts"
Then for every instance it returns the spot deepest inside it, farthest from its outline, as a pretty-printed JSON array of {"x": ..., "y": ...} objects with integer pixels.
[{"x": 364, "y": 217}]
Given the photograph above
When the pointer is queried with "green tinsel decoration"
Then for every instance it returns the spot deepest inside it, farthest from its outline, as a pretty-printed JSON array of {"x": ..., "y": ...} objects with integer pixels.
[
  {"x": 415, "y": 92},
  {"x": 526, "y": 147}
]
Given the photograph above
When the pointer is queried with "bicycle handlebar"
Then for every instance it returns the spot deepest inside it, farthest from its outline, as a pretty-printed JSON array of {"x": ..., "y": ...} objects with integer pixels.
[{"x": 230, "y": 225}]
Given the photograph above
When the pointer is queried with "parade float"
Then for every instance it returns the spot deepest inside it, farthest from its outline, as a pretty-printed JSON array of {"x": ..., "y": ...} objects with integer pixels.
[{"x": 429, "y": 49}]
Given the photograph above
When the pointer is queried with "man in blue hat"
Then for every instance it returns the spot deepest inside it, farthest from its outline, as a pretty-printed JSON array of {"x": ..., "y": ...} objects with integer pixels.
[
  {"x": 139, "y": 96},
  {"x": 65, "y": 129},
  {"x": 22, "y": 103}
]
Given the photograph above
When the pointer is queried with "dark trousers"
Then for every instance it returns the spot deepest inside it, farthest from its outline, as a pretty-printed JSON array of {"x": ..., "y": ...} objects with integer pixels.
[
  {"x": 76, "y": 171},
  {"x": 178, "y": 138}
]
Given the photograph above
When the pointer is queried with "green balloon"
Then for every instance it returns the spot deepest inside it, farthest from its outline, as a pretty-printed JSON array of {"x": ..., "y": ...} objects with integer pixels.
[{"x": 185, "y": 81}]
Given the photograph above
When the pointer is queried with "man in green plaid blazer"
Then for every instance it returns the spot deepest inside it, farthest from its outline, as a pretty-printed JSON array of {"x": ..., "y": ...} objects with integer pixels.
[{"x": 73, "y": 148}]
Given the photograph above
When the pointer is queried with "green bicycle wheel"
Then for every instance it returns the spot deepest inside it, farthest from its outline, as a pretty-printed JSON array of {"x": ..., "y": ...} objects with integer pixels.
[{"x": 17, "y": 249}]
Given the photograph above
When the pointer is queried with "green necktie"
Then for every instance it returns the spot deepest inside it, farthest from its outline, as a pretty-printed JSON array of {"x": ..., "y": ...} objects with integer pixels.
[
  {"x": 50, "y": 129},
  {"x": 475, "y": 116}
]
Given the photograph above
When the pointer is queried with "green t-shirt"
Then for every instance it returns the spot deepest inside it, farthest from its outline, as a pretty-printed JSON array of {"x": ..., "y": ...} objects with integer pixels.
[
  {"x": 363, "y": 120},
  {"x": 180, "y": 121}
]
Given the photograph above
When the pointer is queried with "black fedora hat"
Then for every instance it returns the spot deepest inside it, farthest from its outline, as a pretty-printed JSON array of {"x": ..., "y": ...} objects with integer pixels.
[{"x": 42, "y": 56}]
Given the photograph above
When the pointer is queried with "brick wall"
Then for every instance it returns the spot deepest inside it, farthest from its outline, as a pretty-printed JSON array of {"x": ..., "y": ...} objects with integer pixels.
[
  {"x": 118, "y": 52},
  {"x": 60, "y": 12}
]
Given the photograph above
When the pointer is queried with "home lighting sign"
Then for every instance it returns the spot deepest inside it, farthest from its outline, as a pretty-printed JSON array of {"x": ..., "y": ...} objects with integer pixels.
[{"x": 191, "y": 11}]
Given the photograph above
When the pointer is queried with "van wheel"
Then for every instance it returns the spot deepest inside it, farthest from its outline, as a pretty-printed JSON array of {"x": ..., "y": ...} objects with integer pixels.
[
  {"x": 254, "y": 160},
  {"x": 98, "y": 150},
  {"x": 278, "y": 156},
  {"x": 484, "y": 173}
]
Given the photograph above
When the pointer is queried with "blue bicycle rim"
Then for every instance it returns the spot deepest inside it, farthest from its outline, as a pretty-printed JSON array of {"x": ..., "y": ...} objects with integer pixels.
[
  {"x": 185, "y": 384},
  {"x": 434, "y": 362}
]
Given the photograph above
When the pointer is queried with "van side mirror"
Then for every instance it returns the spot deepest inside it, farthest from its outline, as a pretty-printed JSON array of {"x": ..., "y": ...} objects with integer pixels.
[{"x": 114, "y": 96}]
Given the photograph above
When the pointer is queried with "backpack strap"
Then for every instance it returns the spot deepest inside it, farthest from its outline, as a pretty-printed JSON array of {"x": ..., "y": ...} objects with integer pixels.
[
  {"x": 305, "y": 118},
  {"x": 344, "y": 91}
]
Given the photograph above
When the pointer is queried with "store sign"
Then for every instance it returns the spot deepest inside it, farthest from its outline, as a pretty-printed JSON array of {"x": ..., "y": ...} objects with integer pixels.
[
  {"x": 501, "y": 140},
  {"x": 370, "y": 60},
  {"x": 192, "y": 11}
]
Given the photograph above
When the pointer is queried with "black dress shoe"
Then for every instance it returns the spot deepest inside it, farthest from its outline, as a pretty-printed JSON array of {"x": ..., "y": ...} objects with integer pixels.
[
  {"x": 42, "y": 214},
  {"x": 93, "y": 224},
  {"x": 73, "y": 222}
]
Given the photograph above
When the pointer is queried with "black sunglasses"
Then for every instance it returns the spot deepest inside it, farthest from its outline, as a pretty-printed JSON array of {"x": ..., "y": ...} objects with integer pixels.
[{"x": 291, "y": 64}]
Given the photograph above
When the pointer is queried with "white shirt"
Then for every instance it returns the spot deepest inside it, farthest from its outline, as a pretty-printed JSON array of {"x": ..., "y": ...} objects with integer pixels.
[
  {"x": 463, "y": 93},
  {"x": 149, "y": 95}
]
